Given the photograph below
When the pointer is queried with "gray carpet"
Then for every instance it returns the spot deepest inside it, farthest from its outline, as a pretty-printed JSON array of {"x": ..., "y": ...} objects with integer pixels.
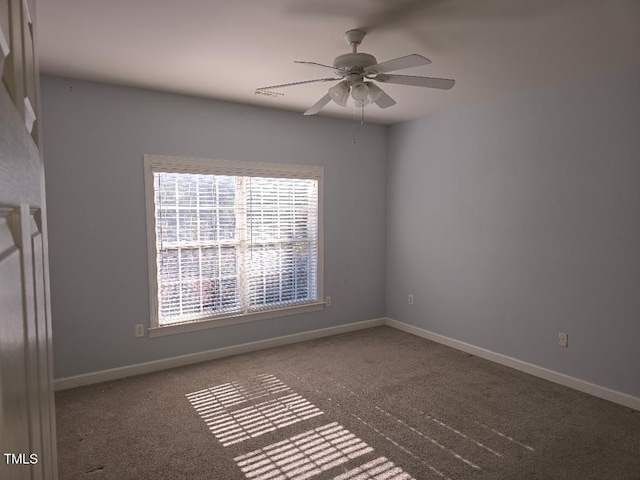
[{"x": 374, "y": 404}]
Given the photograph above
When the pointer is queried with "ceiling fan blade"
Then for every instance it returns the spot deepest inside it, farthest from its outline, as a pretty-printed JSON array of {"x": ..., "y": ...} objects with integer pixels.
[
  {"x": 315, "y": 64},
  {"x": 413, "y": 60},
  {"x": 318, "y": 105},
  {"x": 271, "y": 87},
  {"x": 442, "y": 83},
  {"x": 385, "y": 101}
]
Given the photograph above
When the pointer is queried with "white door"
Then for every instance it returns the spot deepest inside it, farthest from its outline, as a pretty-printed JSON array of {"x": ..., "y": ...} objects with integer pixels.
[{"x": 27, "y": 417}]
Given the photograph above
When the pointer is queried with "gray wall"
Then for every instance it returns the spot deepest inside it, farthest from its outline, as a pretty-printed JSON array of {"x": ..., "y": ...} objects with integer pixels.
[
  {"x": 509, "y": 220},
  {"x": 95, "y": 137},
  {"x": 518, "y": 218}
]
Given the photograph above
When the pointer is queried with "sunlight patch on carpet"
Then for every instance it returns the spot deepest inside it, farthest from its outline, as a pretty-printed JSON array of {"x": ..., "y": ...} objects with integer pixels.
[
  {"x": 461, "y": 434},
  {"x": 220, "y": 397},
  {"x": 304, "y": 455},
  {"x": 430, "y": 439},
  {"x": 507, "y": 437},
  {"x": 404, "y": 449},
  {"x": 231, "y": 427},
  {"x": 379, "y": 469}
]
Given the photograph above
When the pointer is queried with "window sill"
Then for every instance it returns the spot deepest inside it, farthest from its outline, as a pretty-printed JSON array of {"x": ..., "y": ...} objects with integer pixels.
[{"x": 234, "y": 319}]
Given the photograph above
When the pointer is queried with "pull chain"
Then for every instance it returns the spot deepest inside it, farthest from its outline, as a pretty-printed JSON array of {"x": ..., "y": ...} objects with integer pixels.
[{"x": 357, "y": 124}]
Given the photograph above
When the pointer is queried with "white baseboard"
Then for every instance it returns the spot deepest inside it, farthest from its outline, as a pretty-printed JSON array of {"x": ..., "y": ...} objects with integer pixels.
[
  {"x": 165, "y": 363},
  {"x": 560, "y": 378}
]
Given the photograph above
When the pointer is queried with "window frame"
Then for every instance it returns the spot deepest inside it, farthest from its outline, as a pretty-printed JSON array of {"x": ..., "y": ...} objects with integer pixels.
[{"x": 174, "y": 164}]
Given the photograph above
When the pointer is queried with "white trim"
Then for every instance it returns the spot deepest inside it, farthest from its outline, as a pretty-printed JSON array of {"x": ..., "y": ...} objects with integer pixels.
[
  {"x": 29, "y": 115},
  {"x": 235, "y": 319},
  {"x": 27, "y": 12},
  {"x": 551, "y": 375},
  {"x": 151, "y": 241},
  {"x": 4, "y": 45},
  {"x": 165, "y": 363},
  {"x": 165, "y": 163}
]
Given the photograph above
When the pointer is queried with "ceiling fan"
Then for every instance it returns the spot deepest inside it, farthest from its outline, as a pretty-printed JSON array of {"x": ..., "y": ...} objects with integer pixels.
[{"x": 356, "y": 72}]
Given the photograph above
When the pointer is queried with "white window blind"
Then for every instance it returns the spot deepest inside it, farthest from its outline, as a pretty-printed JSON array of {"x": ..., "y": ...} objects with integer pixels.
[
  {"x": 231, "y": 245},
  {"x": 281, "y": 231}
]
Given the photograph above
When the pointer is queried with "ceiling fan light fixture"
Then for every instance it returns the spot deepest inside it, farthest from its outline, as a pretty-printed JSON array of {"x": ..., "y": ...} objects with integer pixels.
[
  {"x": 353, "y": 70},
  {"x": 339, "y": 93}
]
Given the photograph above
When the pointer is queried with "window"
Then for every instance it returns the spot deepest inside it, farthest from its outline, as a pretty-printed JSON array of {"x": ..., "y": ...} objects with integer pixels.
[{"x": 231, "y": 242}]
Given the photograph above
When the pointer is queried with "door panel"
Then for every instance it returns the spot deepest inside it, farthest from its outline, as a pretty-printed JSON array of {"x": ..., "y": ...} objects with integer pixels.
[
  {"x": 27, "y": 412},
  {"x": 14, "y": 421}
]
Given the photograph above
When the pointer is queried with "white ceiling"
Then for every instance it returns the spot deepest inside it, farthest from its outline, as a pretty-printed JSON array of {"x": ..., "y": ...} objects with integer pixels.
[{"x": 225, "y": 49}]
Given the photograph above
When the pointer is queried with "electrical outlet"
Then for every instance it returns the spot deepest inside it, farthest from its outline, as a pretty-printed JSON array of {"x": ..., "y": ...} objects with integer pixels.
[
  {"x": 563, "y": 339},
  {"x": 327, "y": 301},
  {"x": 411, "y": 299},
  {"x": 139, "y": 330}
]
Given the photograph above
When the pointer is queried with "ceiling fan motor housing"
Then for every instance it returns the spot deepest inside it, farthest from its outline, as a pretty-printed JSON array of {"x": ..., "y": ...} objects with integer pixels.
[{"x": 353, "y": 62}]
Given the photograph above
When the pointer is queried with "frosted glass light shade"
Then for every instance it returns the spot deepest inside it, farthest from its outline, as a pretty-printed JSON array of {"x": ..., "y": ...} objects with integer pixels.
[
  {"x": 360, "y": 92},
  {"x": 361, "y": 103},
  {"x": 374, "y": 92},
  {"x": 339, "y": 93}
]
